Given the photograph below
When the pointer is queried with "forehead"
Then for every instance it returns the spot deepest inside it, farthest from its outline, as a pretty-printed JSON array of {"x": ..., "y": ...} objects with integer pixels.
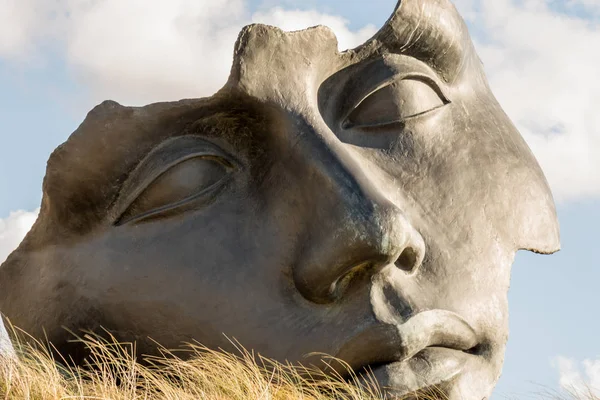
[{"x": 431, "y": 31}]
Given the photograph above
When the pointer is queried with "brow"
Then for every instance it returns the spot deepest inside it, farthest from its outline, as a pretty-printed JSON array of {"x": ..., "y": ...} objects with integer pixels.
[{"x": 432, "y": 32}]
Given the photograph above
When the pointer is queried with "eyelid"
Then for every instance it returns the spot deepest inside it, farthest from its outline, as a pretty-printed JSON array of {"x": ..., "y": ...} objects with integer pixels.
[
  {"x": 177, "y": 205},
  {"x": 433, "y": 83},
  {"x": 159, "y": 161}
]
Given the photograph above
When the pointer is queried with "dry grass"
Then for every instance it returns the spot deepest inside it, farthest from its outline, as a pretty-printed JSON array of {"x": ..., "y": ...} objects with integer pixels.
[{"x": 115, "y": 373}]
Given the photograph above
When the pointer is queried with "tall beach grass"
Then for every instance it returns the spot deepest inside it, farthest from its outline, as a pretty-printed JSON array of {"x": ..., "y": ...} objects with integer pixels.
[{"x": 114, "y": 372}]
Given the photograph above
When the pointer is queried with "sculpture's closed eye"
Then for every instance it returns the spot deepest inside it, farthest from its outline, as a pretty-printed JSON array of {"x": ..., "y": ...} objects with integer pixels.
[
  {"x": 182, "y": 173},
  {"x": 396, "y": 102},
  {"x": 182, "y": 182},
  {"x": 188, "y": 180}
]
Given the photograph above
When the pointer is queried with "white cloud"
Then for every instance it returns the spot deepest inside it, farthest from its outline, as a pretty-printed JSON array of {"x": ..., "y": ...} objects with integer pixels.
[
  {"x": 140, "y": 51},
  {"x": 543, "y": 66},
  {"x": 583, "y": 380},
  {"x": 13, "y": 229},
  {"x": 17, "y": 23}
]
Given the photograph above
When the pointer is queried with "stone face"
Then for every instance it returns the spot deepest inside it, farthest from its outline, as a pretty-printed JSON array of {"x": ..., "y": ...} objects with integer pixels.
[{"x": 365, "y": 204}]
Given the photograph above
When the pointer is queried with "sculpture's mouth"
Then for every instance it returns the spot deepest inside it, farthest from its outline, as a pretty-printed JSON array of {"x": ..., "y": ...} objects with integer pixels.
[
  {"x": 428, "y": 372},
  {"x": 430, "y": 349}
]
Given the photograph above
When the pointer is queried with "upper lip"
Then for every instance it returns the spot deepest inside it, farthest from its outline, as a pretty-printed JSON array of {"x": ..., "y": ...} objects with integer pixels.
[{"x": 386, "y": 343}]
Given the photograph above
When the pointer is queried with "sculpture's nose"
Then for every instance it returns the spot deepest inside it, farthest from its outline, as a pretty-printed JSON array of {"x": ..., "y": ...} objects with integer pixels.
[{"x": 353, "y": 229}]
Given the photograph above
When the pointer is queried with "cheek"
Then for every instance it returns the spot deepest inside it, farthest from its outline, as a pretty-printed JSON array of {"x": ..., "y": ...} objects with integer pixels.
[{"x": 200, "y": 260}]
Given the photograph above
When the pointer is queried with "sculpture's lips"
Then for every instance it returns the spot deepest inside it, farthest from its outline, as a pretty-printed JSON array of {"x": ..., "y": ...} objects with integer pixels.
[
  {"x": 431, "y": 368},
  {"x": 430, "y": 348}
]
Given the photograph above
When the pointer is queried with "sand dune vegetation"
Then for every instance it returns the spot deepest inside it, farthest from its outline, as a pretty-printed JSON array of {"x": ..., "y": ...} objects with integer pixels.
[{"x": 114, "y": 373}]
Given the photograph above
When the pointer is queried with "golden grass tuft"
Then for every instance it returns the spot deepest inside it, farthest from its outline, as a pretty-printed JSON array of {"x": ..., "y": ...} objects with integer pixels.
[{"x": 114, "y": 373}]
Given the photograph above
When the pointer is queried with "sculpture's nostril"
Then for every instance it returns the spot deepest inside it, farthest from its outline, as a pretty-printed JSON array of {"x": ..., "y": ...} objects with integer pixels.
[
  {"x": 409, "y": 260},
  {"x": 340, "y": 285}
]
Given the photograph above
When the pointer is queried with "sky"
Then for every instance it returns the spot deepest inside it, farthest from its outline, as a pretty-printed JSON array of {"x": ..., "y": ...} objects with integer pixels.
[{"x": 60, "y": 58}]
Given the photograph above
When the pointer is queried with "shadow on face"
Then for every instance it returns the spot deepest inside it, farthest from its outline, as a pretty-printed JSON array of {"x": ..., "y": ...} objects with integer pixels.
[{"x": 364, "y": 204}]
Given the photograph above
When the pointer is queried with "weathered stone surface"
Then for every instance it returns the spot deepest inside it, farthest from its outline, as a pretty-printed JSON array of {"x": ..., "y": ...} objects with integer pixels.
[{"x": 365, "y": 204}]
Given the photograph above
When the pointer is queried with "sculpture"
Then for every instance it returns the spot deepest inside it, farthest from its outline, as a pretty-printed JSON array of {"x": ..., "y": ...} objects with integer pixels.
[{"x": 365, "y": 204}]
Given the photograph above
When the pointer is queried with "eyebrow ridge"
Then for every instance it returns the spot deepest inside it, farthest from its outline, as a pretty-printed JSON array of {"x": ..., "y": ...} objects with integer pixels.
[{"x": 432, "y": 32}]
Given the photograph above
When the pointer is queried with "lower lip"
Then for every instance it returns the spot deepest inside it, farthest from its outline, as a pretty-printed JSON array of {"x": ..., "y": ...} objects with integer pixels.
[{"x": 429, "y": 369}]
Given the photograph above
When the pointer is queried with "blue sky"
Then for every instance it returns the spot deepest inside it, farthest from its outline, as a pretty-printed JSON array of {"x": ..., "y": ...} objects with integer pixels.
[{"x": 59, "y": 59}]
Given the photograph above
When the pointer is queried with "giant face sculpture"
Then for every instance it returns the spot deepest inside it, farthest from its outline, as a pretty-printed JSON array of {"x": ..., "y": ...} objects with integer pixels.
[{"x": 365, "y": 204}]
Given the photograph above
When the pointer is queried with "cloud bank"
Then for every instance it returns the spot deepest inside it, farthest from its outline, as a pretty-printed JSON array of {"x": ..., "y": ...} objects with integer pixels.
[{"x": 141, "y": 51}]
